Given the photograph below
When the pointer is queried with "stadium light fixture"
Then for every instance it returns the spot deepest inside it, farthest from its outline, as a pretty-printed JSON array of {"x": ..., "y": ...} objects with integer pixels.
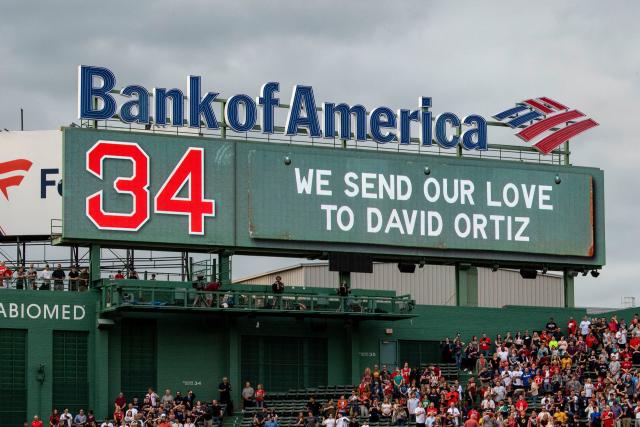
[
  {"x": 495, "y": 267},
  {"x": 595, "y": 273}
]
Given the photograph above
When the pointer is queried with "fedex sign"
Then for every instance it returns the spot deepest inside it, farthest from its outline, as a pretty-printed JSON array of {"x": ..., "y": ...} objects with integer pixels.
[{"x": 30, "y": 182}]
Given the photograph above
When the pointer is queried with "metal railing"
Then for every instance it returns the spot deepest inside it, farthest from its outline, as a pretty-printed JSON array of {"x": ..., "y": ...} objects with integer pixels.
[
  {"x": 116, "y": 296},
  {"x": 40, "y": 284}
]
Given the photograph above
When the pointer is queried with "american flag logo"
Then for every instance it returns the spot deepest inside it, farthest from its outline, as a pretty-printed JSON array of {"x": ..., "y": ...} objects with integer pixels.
[
  {"x": 12, "y": 173},
  {"x": 548, "y": 122}
]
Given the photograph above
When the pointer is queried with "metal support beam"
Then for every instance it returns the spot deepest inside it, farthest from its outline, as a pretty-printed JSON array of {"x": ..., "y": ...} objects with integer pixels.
[
  {"x": 569, "y": 300},
  {"x": 225, "y": 268},
  {"x": 466, "y": 285},
  {"x": 130, "y": 261},
  {"x": 74, "y": 258},
  {"x": 184, "y": 266},
  {"x": 94, "y": 263}
]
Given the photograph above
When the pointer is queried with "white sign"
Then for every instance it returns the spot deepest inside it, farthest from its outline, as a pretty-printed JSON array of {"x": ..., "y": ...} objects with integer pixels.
[{"x": 30, "y": 182}]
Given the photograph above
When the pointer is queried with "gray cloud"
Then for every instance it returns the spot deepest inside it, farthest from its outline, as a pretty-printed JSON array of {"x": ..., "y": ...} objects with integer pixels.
[{"x": 470, "y": 56}]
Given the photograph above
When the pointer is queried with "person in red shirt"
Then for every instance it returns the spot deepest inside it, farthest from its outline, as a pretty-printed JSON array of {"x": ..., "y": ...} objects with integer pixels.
[
  {"x": 472, "y": 421},
  {"x": 118, "y": 415},
  {"x": 119, "y": 275},
  {"x": 484, "y": 345},
  {"x": 54, "y": 418},
  {"x": 36, "y": 422},
  {"x": 608, "y": 417},
  {"x": 572, "y": 326},
  {"x": 260, "y": 395},
  {"x": 342, "y": 404},
  {"x": 613, "y": 324},
  {"x": 406, "y": 373},
  {"x": 591, "y": 340},
  {"x": 521, "y": 404},
  {"x": 121, "y": 402},
  {"x": 452, "y": 396}
]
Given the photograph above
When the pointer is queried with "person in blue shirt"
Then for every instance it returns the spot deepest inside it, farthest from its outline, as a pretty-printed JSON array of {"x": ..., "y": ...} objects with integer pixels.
[{"x": 271, "y": 422}]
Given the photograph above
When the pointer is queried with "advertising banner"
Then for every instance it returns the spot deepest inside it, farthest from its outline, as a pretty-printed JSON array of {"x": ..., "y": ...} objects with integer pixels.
[{"x": 30, "y": 182}]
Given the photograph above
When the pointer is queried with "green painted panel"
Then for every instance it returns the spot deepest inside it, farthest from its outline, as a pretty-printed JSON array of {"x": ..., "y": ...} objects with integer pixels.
[
  {"x": 70, "y": 371},
  {"x": 138, "y": 357},
  {"x": 13, "y": 377},
  {"x": 304, "y": 364}
]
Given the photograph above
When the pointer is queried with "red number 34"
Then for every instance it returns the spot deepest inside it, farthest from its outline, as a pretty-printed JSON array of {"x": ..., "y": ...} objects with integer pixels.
[{"x": 189, "y": 171}]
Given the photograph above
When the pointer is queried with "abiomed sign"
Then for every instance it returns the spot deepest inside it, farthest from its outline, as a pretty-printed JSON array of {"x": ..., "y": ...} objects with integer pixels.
[
  {"x": 253, "y": 197},
  {"x": 45, "y": 311}
]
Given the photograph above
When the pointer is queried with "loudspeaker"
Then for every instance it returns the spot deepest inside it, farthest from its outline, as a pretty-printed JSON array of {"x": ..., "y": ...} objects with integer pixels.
[
  {"x": 406, "y": 267},
  {"x": 528, "y": 273},
  {"x": 353, "y": 263}
]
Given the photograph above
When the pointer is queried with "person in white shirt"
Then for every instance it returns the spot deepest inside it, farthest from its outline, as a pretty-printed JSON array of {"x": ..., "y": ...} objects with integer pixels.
[
  {"x": 66, "y": 418},
  {"x": 329, "y": 421},
  {"x": 189, "y": 423},
  {"x": 106, "y": 423},
  {"x": 453, "y": 413},
  {"x": 584, "y": 326},
  {"x": 412, "y": 404},
  {"x": 343, "y": 421},
  {"x": 421, "y": 416},
  {"x": 430, "y": 421}
]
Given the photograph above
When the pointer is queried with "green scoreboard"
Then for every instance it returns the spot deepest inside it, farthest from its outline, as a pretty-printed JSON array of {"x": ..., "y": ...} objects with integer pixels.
[{"x": 149, "y": 190}]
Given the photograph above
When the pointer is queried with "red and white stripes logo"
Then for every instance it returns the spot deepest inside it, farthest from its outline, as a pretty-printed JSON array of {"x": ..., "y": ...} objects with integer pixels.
[
  {"x": 548, "y": 122},
  {"x": 12, "y": 173}
]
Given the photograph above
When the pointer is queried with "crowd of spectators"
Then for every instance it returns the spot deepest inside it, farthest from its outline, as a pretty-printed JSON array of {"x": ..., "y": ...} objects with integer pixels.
[
  {"x": 152, "y": 410},
  {"x": 77, "y": 279},
  {"x": 580, "y": 374}
]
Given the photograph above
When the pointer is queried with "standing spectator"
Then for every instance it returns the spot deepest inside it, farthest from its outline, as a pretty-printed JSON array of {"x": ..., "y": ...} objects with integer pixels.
[
  {"x": 224, "y": 388},
  {"x": 133, "y": 275},
  {"x": 121, "y": 401},
  {"x": 260, "y": 395},
  {"x": 37, "y": 422},
  {"x": 585, "y": 326},
  {"x": 310, "y": 420},
  {"x": 65, "y": 418},
  {"x": 119, "y": 275},
  {"x": 152, "y": 397},
  {"x": 3, "y": 269},
  {"x": 32, "y": 276},
  {"x": 6, "y": 275},
  {"x": 58, "y": 278},
  {"x": 74, "y": 275},
  {"x": 167, "y": 398},
  {"x": 91, "y": 419},
  {"x": 248, "y": 395},
  {"x": 572, "y": 326},
  {"x": 83, "y": 281},
  {"x": 485, "y": 345},
  {"x": 278, "y": 286},
  {"x": 46, "y": 278},
  {"x": 21, "y": 278},
  {"x": 54, "y": 418},
  {"x": 80, "y": 419},
  {"x": 420, "y": 416}
]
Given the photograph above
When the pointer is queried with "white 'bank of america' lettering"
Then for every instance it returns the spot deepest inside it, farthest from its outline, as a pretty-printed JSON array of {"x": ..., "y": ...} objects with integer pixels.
[{"x": 42, "y": 311}]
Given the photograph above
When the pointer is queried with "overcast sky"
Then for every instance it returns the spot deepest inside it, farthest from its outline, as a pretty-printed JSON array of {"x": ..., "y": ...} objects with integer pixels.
[{"x": 469, "y": 56}]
